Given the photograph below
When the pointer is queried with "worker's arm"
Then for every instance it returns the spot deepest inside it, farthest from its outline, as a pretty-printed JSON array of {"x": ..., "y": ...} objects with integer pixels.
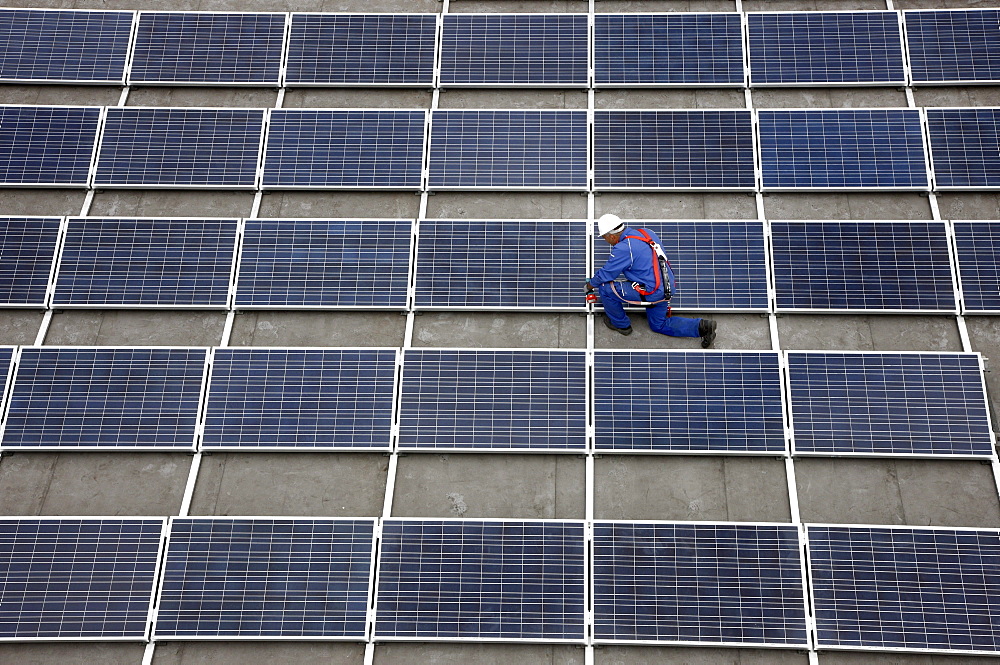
[{"x": 621, "y": 258}]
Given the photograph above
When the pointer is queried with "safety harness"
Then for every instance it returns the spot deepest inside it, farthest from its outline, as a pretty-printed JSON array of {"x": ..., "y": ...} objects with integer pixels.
[{"x": 660, "y": 267}]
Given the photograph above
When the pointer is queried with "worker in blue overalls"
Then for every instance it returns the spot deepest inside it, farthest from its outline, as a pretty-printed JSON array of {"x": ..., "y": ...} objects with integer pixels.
[{"x": 648, "y": 282}]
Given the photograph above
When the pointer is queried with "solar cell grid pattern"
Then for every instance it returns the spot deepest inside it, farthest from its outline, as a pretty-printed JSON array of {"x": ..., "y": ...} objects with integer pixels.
[
  {"x": 842, "y": 149},
  {"x": 27, "y": 252},
  {"x": 203, "y": 47},
  {"x": 515, "y": 49},
  {"x": 369, "y": 49},
  {"x": 825, "y": 47},
  {"x": 977, "y": 245},
  {"x": 300, "y": 398},
  {"x": 266, "y": 578},
  {"x": 889, "y": 404},
  {"x": 177, "y": 147},
  {"x": 77, "y": 578},
  {"x": 960, "y": 46},
  {"x": 105, "y": 398},
  {"x": 698, "y": 583},
  {"x": 906, "y": 588},
  {"x": 493, "y": 400},
  {"x": 509, "y": 149},
  {"x": 51, "y": 45},
  {"x": 862, "y": 266},
  {"x": 668, "y": 49},
  {"x": 507, "y": 264},
  {"x": 324, "y": 263},
  {"x": 965, "y": 147},
  {"x": 683, "y": 401},
  {"x": 481, "y": 580},
  {"x": 146, "y": 262},
  {"x": 674, "y": 150},
  {"x": 47, "y": 145}
]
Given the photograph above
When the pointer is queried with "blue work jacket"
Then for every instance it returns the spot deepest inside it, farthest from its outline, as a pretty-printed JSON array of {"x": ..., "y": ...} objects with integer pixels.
[{"x": 633, "y": 258}]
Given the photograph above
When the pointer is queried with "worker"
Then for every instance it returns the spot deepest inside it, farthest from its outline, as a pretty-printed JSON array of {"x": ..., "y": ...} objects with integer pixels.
[{"x": 648, "y": 282}]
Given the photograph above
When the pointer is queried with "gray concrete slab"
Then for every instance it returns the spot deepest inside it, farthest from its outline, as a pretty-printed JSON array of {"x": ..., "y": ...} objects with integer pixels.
[
  {"x": 19, "y": 326},
  {"x": 257, "y": 653},
  {"x": 669, "y": 98},
  {"x": 320, "y": 328},
  {"x": 43, "y": 95},
  {"x": 987, "y": 95},
  {"x": 170, "y": 203},
  {"x": 969, "y": 205},
  {"x": 193, "y": 97},
  {"x": 642, "y": 655},
  {"x": 490, "y": 486},
  {"x": 506, "y": 205},
  {"x": 116, "y": 327},
  {"x": 375, "y": 98},
  {"x": 41, "y": 201},
  {"x": 676, "y": 205},
  {"x": 875, "y": 658},
  {"x": 793, "y": 98},
  {"x": 340, "y": 205},
  {"x": 477, "y": 654},
  {"x": 851, "y": 332},
  {"x": 487, "y": 98},
  {"x": 735, "y": 331},
  {"x": 822, "y": 205},
  {"x": 810, "y": 5},
  {"x": 516, "y": 6},
  {"x": 984, "y": 334},
  {"x": 500, "y": 330},
  {"x": 72, "y": 653}
]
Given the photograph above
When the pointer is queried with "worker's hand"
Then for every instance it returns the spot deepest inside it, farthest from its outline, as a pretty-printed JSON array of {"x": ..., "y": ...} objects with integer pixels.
[{"x": 588, "y": 288}]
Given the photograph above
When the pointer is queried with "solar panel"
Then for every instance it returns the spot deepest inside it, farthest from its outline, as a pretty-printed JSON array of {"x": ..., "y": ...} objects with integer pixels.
[
  {"x": 929, "y": 404},
  {"x": 340, "y": 149},
  {"x": 673, "y": 150},
  {"x": 515, "y": 49},
  {"x": 905, "y": 588},
  {"x": 806, "y": 48},
  {"x": 965, "y": 147},
  {"x": 493, "y": 400},
  {"x": 266, "y": 578},
  {"x": 977, "y": 245},
  {"x": 953, "y": 46},
  {"x": 108, "y": 261},
  {"x": 324, "y": 263},
  {"x": 489, "y": 264},
  {"x": 204, "y": 47},
  {"x": 668, "y": 49},
  {"x": 300, "y": 399},
  {"x": 509, "y": 149},
  {"x": 509, "y": 580},
  {"x": 109, "y": 398},
  {"x": 39, "y": 45},
  {"x": 77, "y": 579},
  {"x": 361, "y": 49},
  {"x": 842, "y": 149},
  {"x": 900, "y": 266},
  {"x": 47, "y": 145},
  {"x": 27, "y": 255},
  {"x": 733, "y": 584}
]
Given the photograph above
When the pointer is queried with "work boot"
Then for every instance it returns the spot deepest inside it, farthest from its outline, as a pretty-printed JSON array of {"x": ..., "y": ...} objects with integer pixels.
[
  {"x": 608, "y": 323},
  {"x": 706, "y": 329}
]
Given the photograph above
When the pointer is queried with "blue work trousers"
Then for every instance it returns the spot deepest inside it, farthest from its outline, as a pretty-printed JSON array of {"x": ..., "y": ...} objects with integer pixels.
[{"x": 614, "y": 297}]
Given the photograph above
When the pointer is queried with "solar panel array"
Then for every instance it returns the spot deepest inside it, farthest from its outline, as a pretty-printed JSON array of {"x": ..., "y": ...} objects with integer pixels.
[
  {"x": 953, "y": 46},
  {"x": 27, "y": 258},
  {"x": 977, "y": 247},
  {"x": 47, "y": 145},
  {"x": 965, "y": 147}
]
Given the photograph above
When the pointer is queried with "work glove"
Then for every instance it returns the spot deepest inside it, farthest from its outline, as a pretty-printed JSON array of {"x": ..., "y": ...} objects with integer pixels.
[{"x": 588, "y": 288}]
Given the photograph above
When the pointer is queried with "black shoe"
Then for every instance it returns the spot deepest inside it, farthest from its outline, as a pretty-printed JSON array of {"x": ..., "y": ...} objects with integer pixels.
[
  {"x": 706, "y": 329},
  {"x": 607, "y": 322}
]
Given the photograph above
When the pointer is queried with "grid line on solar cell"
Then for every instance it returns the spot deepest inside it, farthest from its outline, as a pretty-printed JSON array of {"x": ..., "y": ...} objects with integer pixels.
[
  {"x": 146, "y": 262},
  {"x": 493, "y": 400},
  {"x": 905, "y": 588},
  {"x": 52, "y": 45},
  {"x": 481, "y": 580},
  {"x": 735, "y": 584},
  {"x": 889, "y": 404},
  {"x": 77, "y": 578},
  {"x": 47, "y": 145},
  {"x": 674, "y": 150},
  {"x": 977, "y": 245},
  {"x": 956, "y": 46},
  {"x": 965, "y": 147},
  {"x": 668, "y": 49},
  {"x": 254, "y": 578},
  {"x": 510, "y": 263},
  {"x": 27, "y": 252},
  {"x": 105, "y": 398},
  {"x": 862, "y": 266}
]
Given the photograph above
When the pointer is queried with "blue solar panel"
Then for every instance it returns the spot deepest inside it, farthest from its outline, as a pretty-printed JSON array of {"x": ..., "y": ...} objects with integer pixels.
[
  {"x": 204, "y": 47},
  {"x": 825, "y": 47},
  {"x": 47, "y": 145},
  {"x": 832, "y": 265},
  {"x": 300, "y": 399},
  {"x": 889, "y": 404},
  {"x": 77, "y": 579},
  {"x": 179, "y": 147},
  {"x": 735, "y": 584},
  {"x": 473, "y": 579},
  {"x": 146, "y": 398},
  {"x": 668, "y": 49},
  {"x": 906, "y": 588},
  {"x": 954, "y": 46},
  {"x": 514, "y": 49},
  {"x": 965, "y": 147},
  {"x": 324, "y": 263},
  {"x": 842, "y": 149},
  {"x": 470, "y": 264},
  {"x": 260, "y": 578},
  {"x": 493, "y": 400},
  {"x": 689, "y": 401},
  {"x": 27, "y": 254},
  {"x": 338, "y": 149},
  {"x": 977, "y": 245},
  {"x": 52, "y": 45},
  {"x": 146, "y": 262},
  {"x": 673, "y": 150},
  {"x": 509, "y": 149},
  {"x": 365, "y": 49}
]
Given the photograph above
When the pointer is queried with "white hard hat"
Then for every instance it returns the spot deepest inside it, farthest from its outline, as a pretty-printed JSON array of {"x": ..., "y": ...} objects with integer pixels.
[{"x": 608, "y": 223}]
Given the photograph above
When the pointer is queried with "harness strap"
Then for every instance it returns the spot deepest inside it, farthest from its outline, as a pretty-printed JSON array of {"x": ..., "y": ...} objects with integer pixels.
[{"x": 656, "y": 263}]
